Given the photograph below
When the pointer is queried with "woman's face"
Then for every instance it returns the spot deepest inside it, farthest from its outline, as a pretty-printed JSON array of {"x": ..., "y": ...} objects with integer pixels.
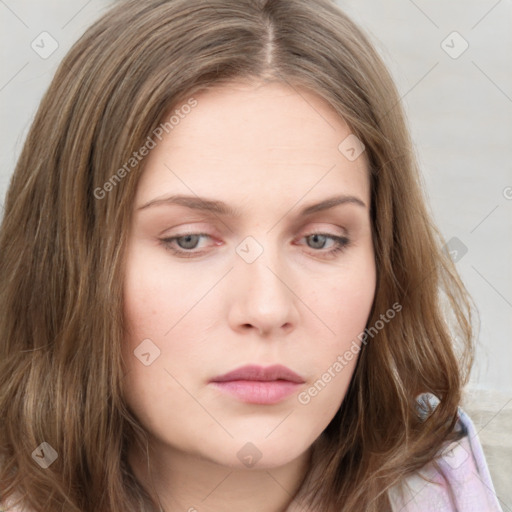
[{"x": 224, "y": 270}]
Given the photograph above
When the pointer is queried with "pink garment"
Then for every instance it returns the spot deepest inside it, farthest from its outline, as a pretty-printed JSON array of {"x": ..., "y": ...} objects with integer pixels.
[{"x": 463, "y": 483}]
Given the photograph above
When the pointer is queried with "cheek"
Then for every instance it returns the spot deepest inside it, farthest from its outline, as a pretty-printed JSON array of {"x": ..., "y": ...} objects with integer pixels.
[
  {"x": 344, "y": 302},
  {"x": 351, "y": 305},
  {"x": 344, "y": 309},
  {"x": 154, "y": 298},
  {"x": 145, "y": 325},
  {"x": 154, "y": 302},
  {"x": 168, "y": 307}
]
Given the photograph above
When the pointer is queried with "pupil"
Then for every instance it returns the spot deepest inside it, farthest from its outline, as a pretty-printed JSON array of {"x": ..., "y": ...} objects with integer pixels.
[
  {"x": 188, "y": 241},
  {"x": 318, "y": 237}
]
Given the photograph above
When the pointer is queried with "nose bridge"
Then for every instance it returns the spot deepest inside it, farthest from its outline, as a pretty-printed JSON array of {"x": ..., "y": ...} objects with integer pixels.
[
  {"x": 264, "y": 299},
  {"x": 260, "y": 264}
]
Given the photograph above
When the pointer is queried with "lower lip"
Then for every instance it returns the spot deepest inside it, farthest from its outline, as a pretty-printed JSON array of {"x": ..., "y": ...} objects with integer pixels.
[{"x": 258, "y": 392}]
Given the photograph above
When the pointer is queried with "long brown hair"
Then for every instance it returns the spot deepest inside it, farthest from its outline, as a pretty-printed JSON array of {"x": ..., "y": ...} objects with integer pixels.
[{"x": 62, "y": 247}]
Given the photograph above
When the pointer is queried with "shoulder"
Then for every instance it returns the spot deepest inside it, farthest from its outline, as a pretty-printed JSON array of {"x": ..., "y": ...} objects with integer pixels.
[{"x": 460, "y": 483}]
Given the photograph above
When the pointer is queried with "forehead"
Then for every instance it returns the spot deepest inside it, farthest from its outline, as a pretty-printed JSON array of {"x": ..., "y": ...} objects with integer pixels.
[{"x": 257, "y": 139}]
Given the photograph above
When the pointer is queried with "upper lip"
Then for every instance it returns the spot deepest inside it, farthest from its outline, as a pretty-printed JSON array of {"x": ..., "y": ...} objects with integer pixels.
[{"x": 260, "y": 373}]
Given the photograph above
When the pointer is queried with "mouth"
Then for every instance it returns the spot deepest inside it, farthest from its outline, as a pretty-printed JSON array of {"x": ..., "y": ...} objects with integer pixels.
[{"x": 258, "y": 385}]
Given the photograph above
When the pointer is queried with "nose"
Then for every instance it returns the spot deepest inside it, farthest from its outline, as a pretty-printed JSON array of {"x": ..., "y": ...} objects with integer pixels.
[{"x": 262, "y": 296}]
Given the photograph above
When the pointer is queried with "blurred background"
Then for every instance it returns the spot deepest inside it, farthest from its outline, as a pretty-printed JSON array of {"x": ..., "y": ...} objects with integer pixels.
[{"x": 451, "y": 62}]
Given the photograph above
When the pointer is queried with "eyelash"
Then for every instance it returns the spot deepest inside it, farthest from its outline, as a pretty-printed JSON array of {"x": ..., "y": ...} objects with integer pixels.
[{"x": 341, "y": 243}]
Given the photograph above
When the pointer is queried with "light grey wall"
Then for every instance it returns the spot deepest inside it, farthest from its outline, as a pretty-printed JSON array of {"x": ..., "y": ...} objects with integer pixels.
[
  {"x": 459, "y": 105},
  {"x": 459, "y": 108},
  {"x": 25, "y": 74}
]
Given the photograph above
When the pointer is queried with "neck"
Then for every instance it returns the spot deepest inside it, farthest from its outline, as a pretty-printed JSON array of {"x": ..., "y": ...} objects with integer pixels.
[{"x": 185, "y": 482}]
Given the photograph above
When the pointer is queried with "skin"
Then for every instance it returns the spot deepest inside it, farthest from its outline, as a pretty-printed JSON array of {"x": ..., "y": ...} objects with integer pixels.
[{"x": 268, "y": 151}]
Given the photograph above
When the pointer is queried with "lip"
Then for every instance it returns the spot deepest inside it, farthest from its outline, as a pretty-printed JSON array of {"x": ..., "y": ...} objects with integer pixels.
[
  {"x": 260, "y": 373},
  {"x": 259, "y": 385}
]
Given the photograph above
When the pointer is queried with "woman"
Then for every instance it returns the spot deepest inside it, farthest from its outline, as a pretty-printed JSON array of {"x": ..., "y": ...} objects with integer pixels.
[{"x": 226, "y": 291}]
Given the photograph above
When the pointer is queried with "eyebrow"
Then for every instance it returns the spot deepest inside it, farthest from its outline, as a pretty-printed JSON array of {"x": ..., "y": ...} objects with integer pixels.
[{"x": 221, "y": 208}]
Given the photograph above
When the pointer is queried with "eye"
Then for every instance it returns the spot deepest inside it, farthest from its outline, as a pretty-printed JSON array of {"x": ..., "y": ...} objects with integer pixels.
[
  {"x": 182, "y": 245},
  {"x": 319, "y": 241},
  {"x": 185, "y": 245}
]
